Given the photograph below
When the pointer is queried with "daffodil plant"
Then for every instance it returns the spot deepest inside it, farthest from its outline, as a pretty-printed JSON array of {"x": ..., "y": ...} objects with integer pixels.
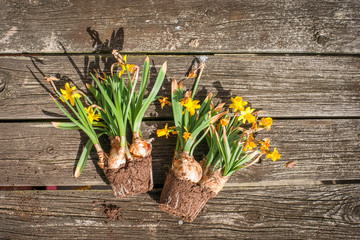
[
  {"x": 192, "y": 121},
  {"x": 232, "y": 145},
  {"x": 116, "y": 106},
  {"x": 229, "y": 135}
]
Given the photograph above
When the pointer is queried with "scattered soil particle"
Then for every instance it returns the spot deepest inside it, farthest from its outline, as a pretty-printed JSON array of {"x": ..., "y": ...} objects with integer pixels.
[{"x": 112, "y": 212}]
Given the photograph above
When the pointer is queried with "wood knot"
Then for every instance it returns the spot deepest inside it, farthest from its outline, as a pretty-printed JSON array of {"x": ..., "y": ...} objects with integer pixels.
[
  {"x": 194, "y": 42},
  {"x": 253, "y": 216},
  {"x": 50, "y": 150},
  {"x": 355, "y": 214},
  {"x": 320, "y": 39},
  {"x": 209, "y": 12}
]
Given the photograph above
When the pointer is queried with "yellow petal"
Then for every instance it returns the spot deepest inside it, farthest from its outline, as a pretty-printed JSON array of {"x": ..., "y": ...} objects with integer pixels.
[
  {"x": 72, "y": 101},
  {"x": 131, "y": 67},
  {"x": 67, "y": 86}
]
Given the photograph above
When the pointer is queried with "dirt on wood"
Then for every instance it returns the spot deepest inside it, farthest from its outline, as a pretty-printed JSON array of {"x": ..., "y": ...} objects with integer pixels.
[{"x": 111, "y": 211}]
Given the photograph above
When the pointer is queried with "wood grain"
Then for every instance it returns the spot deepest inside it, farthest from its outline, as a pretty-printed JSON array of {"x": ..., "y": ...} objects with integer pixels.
[
  {"x": 187, "y": 26},
  {"x": 36, "y": 154},
  {"x": 281, "y": 86},
  {"x": 327, "y": 212},
  {"x": 313, "y": 93}
]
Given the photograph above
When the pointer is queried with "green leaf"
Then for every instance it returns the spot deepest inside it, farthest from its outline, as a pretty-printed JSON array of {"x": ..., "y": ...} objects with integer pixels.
[
  {"x": 65, "y": 125},
  {"x": 186, "y": 119},
  {"x": 177, "y": 109},
  {"x": 89, "y": 133},
  {"x": 248, "y": 157},
  {"x": 83, "y": 158},
  {"x": 84, "y": 117},
  {"x": 203, "y": 123},
  {"x": 131, "y": 100},
  {"x": 205, "y": 106},
  {"x": 237, "y": 153},
  {"x": 118, "y": 113},
  {"x": 196, "y": 84},
  {"x": 227, "y": 148},
  {"x": 99, "y": 124},
  {"x": 159, "y": 81},
  {"x": 95, "y": 93},
  {"x": 232, "y": 171},
  {"x": 144, "y": 79},
  {"x": 198, "y": 141}
]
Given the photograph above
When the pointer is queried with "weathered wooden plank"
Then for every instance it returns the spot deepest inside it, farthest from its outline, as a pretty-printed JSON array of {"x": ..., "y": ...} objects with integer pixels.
[
  {"x": 188, "y": 26},
  {"x": 327, "y": 212},
  {"x": 36, "y": 154},
  {"x": 282, "y": 86}
]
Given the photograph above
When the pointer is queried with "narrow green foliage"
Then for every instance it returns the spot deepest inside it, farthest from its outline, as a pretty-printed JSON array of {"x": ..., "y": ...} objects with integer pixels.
[
  {"x": 145, "y": 103},
  {"x": 231, "y": 142},
  {"x": 84, "y": 157},
  {"x": 79, "y": 124},
  {"x": 116, "y": 105},
  {"x": 189, "y": 121},
  {"x": 66, "y": 125}
]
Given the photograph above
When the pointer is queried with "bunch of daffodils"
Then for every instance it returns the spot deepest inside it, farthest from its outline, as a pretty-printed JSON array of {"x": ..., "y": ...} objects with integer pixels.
[
  {"x": 114, "y": 105},
  {"x": 192, "y": 122},
  {"x": 232, "y": 145}
]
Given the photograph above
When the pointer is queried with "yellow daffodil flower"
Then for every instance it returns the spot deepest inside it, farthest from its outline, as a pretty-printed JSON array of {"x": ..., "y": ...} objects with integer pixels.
[
  {"x": 163, "y": 132},
  {"x": 237, "y": 104},
  {"x": 247, "y": 115},
  {"x": 273, "y": 155},
  {"x": 164, "y": 101},
  {"x": 249, "y": 144},
  {"x": 131, "y": 67},
  {"x": 264, "y": 145},
  {"x": 190, "y": 105},
  {"x": 185, "y": 100},
  {"x": 266, "y": 122},
  {"x": 69, "y": 94},
  {"x": 224, "y": 122},
  {"x": 91, "y": 115},
  {"x": 186, "y": 134}
]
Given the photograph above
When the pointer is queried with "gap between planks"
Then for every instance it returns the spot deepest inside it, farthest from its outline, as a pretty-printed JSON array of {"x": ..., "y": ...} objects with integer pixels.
[
  {"x": 37, "y": 54},
  {"x": 169, "y": 119},
  {"x": 228, "y": 186}
]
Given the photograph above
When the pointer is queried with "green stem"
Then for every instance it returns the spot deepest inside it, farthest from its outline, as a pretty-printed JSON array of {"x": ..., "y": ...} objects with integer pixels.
[{"x": 197, "y": 82}]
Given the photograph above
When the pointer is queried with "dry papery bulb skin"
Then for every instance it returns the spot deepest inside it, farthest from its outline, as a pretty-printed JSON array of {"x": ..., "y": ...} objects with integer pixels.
[
  {"x": 140, "y": 148},
  {"x": 117, "y": 154},
  {"x": 187, "y": 168},
  {"x": 214, "y": 180}
]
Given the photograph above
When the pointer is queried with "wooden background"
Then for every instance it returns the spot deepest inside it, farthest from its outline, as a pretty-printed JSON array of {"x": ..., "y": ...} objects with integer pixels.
[{"x": 297, "y": 61}]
